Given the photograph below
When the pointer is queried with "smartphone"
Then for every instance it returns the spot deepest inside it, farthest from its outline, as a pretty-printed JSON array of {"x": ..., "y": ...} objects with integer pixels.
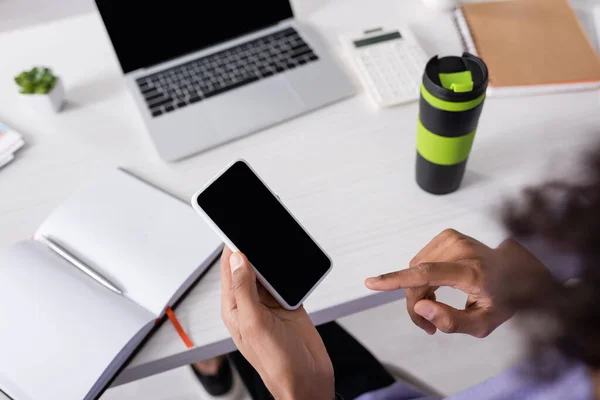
[{"x": 250, "y": 218}]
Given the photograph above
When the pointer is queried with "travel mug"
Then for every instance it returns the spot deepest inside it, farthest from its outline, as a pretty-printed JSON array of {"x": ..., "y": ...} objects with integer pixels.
[{"x": 452, "y": 96}]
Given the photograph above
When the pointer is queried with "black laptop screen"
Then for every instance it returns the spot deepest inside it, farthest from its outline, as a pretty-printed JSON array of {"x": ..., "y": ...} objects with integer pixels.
[{"x": 147, "y": 32}]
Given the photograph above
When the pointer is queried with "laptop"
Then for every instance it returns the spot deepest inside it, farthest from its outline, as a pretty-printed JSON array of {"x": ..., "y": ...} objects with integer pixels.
[{"x": 204, "y": 73}]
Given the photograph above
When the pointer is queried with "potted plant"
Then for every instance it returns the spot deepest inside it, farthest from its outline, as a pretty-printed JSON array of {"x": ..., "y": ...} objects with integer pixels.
[{"x": 42, "y": 88}]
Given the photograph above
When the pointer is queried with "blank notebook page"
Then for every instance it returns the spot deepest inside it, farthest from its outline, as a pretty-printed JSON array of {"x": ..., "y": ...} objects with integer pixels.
[
  {"x": 145, "y": 241},
  {"x": 531, "y": 42}
]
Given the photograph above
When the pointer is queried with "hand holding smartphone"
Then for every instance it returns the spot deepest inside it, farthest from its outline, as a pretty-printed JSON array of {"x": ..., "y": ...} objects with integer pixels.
[{"x": 250, "y": 218}]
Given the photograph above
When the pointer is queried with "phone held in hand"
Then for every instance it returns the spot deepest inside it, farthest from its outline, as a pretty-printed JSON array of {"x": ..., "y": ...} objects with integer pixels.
[{"x": 251, "y": 219}]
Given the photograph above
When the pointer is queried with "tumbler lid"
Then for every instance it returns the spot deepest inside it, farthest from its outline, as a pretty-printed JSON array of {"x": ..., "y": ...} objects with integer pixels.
[{"x": 456, "y": 78}]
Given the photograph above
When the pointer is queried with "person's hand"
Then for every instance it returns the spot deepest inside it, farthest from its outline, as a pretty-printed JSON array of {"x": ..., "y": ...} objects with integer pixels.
[
  {"x": 459, "y": 261},
  {"x": 283, "y": 346}
]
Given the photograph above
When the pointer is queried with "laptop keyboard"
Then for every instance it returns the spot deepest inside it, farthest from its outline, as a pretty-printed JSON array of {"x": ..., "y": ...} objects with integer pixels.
[{"x": 200, "y": 79}]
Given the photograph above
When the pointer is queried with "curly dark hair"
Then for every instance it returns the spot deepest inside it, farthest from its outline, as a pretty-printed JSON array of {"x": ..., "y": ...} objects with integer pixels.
[{"x": 567, "y": 217}]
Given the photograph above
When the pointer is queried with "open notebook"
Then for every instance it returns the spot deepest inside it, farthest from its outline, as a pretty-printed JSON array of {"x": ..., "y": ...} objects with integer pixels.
[
  {"x": 64, "y": 335},
  {"x": 529, "y": 46}
]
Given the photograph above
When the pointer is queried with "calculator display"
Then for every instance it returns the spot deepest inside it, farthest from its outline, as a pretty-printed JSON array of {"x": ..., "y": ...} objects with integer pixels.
[{"x": 377, "y": 39}]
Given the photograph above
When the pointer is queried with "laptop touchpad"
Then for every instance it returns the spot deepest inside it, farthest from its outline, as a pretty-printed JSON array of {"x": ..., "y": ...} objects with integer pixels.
[{"x": 253, "y": 107}]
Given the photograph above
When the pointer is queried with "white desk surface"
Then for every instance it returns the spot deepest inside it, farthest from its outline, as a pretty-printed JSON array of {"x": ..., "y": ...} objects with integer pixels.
[{"x": 347, "y": 171}]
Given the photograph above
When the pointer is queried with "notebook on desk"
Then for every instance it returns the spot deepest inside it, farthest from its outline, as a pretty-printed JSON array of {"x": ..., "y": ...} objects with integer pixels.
[
  {"x": 530, "y": 46},
  {"x": 64, "y": 335}
]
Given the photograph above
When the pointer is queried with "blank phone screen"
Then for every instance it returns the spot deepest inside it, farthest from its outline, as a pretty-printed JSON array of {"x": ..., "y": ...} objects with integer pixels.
[{"x": 261, "y": 228}]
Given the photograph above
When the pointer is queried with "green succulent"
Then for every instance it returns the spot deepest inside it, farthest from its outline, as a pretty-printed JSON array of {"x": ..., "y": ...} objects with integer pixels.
[{"x": 39, "y": 80}]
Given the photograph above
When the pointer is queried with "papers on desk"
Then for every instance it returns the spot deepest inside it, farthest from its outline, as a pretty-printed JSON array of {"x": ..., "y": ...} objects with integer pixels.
[{"x": 10, "y": 142}]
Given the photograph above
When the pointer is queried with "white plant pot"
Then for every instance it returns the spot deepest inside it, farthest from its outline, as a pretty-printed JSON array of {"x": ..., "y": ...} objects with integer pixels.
[{"x": 53, "y": 101}]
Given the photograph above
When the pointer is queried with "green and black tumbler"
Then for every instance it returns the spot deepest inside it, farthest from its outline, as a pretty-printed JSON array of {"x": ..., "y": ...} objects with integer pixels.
[{"x": 452, "y": 97}]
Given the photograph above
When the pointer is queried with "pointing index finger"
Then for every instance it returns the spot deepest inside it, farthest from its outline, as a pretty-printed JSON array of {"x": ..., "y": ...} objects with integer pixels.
[{"x": 456, "y": 275}]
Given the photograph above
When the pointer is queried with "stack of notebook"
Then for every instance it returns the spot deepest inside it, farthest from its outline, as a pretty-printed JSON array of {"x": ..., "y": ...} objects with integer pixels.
[
  {"x": 10, "y": 142},
  {"x": 530, "y": 46}
]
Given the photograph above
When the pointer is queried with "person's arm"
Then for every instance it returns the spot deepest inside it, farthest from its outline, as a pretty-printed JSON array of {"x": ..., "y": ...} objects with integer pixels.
[
  {"x": 283, "y": 346},
  {"x": 459, "y": 261}
]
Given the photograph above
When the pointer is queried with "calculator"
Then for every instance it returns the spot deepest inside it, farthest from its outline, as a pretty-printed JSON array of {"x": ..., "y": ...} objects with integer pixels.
[{"x": 390, "y": 64}]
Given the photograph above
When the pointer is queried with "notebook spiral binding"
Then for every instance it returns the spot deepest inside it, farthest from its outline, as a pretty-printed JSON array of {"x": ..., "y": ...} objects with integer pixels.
[
  {"x": 464, "y": 31},
  {"x": 457, "y": 24}
]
